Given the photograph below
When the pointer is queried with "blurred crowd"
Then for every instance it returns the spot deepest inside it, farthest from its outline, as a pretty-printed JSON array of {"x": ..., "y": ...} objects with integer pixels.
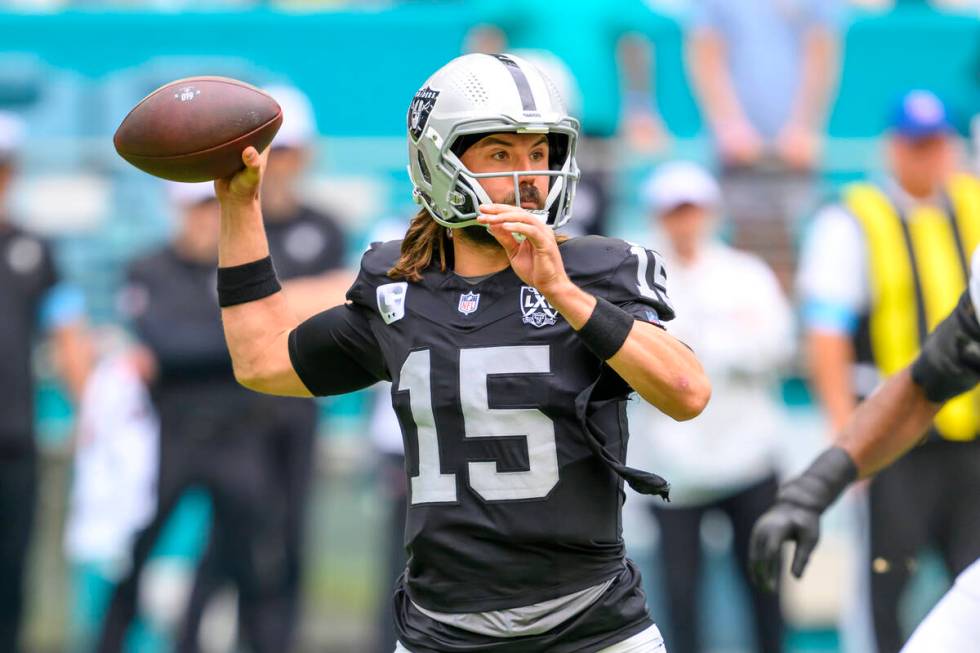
[{"x": 799, "y": 294}]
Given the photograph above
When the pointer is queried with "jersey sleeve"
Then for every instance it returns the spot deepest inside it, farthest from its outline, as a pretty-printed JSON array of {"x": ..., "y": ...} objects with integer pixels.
[
  {"x": 335, "y": 352},
  {"x": 623, "y": 273},
  {"x": 375, "y": 263},
  {"x": 639, "y": 286}
]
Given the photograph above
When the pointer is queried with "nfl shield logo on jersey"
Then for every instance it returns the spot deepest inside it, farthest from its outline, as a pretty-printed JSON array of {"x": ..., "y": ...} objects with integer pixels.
[
  {"x": 468, "y": 302},
  {"x": 536, "y": 309},
  {"x": 391, "y": 301}
]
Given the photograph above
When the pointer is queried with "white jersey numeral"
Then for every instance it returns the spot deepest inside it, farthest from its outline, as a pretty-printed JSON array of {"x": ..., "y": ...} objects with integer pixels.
[
  {"x": 430, "y": 485},
  {"x": 657, "y": 292}
]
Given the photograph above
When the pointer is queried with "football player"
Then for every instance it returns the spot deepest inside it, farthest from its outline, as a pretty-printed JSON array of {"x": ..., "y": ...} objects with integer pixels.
[
  {"x": 511, "y": 357},
  {"x": 886, "y": 425}
]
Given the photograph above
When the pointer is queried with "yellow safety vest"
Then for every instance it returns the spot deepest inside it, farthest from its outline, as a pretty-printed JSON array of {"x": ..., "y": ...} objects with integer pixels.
[{"x": 918, "y": 267}]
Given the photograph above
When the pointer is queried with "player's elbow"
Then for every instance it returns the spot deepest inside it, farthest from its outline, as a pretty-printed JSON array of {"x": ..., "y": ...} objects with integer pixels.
[
  {"x": 255, "y": 373},
  {"x": 691, "y": 395},
  {"x": 248, "y": 375}
]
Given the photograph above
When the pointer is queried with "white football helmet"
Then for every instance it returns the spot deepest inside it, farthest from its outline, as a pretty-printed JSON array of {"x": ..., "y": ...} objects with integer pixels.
[{"x": 485, "y": 94}]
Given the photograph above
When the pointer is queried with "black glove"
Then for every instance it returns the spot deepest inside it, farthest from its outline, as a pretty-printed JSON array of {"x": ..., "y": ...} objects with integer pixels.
[
  {"x": 796, "y": 516},
  {"x": 949, "y": 363}
]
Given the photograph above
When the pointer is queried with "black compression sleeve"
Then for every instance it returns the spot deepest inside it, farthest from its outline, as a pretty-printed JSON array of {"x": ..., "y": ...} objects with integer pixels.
[
  {"x": 334, "y": 352},
  {"x": 949, "y": 363}
]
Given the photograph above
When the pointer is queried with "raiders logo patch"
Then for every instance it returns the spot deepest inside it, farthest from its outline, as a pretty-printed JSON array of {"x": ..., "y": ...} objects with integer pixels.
[
  {"x": 537, "y": 311},
  {"x": 419, "y": 110}
]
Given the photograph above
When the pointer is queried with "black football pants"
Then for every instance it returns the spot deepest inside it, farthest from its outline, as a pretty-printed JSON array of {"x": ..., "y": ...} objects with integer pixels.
[
  {"x": 18, "y": 494},
  {"x": 292, "y": 451},
  {"x": 680, "y": 537},
  {"x": 231, "y": 462}
]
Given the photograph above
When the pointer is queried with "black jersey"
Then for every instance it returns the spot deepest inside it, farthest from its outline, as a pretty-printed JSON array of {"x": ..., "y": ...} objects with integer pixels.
[
  {"x": 514, "y": 431},
  {"x": 27, "y": 272}
]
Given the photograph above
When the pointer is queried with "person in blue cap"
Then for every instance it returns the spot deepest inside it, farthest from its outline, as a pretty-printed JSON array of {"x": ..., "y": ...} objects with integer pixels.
[{"x": 879, "y": 269}]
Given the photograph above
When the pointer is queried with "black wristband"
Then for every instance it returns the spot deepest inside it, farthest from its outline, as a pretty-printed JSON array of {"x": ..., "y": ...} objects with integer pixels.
[
  {"x": 606, "y": 329},
  {"x": 239, "y": 284},
  {"x": 822, "y": 482}
]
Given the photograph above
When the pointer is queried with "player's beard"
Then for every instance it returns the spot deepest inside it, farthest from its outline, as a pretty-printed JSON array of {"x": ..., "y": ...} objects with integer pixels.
[{"x": 480, "y": 235}]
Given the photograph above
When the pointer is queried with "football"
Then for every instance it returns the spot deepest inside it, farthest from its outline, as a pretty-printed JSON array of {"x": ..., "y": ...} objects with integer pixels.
[{"x": 195, "y": 129}]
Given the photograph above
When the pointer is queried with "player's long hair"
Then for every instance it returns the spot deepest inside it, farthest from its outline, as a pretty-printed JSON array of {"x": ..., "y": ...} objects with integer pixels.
[{"x": 424, "y": 240}]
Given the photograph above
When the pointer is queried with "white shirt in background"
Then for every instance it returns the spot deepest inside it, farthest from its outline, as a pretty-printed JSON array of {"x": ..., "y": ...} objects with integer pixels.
[
  {"x": 732, "y": 313},
  {"x": 113, "y": 492}
]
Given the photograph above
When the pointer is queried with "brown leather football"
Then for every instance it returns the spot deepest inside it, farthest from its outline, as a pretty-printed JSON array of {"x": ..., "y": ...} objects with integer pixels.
[{"x": 195, "y": 129}]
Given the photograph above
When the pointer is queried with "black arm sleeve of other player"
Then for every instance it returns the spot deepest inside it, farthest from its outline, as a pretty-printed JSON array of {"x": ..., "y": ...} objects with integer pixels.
[
  {"x": 949, "y": 363},
  {"x": 335, "y": 352}
]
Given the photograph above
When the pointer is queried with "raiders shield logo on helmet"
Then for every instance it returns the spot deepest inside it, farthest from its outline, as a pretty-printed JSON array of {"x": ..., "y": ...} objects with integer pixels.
[
  {"x": 536, "y": 309},
  {"x": 419, "y": 110}
]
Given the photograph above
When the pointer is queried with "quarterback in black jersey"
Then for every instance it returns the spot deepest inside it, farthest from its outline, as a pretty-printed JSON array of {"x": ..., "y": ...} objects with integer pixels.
[{"x": 511, "y": 354}]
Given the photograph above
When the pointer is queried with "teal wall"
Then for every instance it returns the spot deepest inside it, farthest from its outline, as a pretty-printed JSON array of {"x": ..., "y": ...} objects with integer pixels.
[{"x": 361, "y": 67}]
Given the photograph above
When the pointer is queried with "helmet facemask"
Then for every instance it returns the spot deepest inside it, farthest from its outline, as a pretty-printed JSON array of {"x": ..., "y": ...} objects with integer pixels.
[{"x": 449, "y": 190}]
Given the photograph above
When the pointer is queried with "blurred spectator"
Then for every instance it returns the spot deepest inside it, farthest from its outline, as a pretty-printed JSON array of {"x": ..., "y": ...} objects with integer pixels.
[
  {"x": 611, "y": 60},
  {"x": 308, "y": 245},
  {"x": 603, "y": 73},
  {"x": 114, "y": 475},
  {"x": 33, "y": 301},
  {"x": 590, "y": 213},
  {"x": 764, "y": 72},
  {"x": 730, "y": 310},
  {"x": 878, "y": 271},
  {"x": 213, "y": 432},
  {"x": 309, "y": 248}
]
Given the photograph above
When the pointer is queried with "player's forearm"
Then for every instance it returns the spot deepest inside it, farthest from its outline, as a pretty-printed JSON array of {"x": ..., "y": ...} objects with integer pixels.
[
  {"x": 830, "y": 357},
  {"x": 655, "y": 364},
  {"x": 663, "y": 371},
  {"x": 254, "y": 330},
  {"x": 887, "y": 424},
  {"x": 243, "y": 237}
]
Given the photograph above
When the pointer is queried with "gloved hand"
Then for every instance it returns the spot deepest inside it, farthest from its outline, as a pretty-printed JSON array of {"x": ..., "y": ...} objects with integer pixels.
[
  {"x": 949, "y": 363},
  {"x": 796, "y": 516}
]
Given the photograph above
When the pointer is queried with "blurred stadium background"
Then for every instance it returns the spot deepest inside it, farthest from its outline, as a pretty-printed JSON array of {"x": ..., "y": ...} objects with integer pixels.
[{"x": 73, "y": 68}]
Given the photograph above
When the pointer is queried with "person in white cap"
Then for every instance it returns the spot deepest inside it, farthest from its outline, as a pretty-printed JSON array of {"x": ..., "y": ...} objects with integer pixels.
[
  {"x": 731, "y": 311},
  {"x": 33, "y": 301},
  {"x": 213, "y": 433}
]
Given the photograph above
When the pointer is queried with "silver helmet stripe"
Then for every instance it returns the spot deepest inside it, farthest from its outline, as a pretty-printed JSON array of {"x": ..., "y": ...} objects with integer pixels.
[{"x": 520, "y": 79}]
